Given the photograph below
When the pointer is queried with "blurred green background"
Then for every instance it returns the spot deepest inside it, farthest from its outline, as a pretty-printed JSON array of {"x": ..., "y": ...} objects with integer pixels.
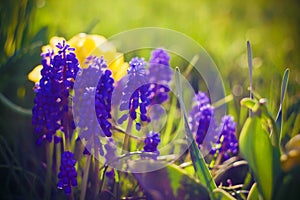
[{"x": 222, "y": 27}]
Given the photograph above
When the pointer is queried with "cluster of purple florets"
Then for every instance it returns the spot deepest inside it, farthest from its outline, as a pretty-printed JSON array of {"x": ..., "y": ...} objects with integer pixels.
[
  {"x": 160, "y": 75},
  {"x": 95, "y": 87},
  {"x": 151, "y": 143},
  {"x": 51, "y": 111},
  {"x": 201, "y": 116},
  {"x": 227, "y": 142},
  {"x": 202, "y": 120},
  {"x": 145, "y": 86},
  {"x": 103, "y": 97},
  {"x": 136, "y": 92},
  {"x": 67, "y": 172}
]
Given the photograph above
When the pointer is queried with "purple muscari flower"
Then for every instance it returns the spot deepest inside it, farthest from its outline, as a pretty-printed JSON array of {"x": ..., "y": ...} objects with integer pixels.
[
  {"x": 67, "y": 175},
  {"x": 227, "y": 141},
  {"x": 200, "y": 99},
  {"x": 151, "y": 142},
  {"x": 206, "y": 117},
  {"x": 93, "y": 98},
  {"x": 159, "y": 66},
  {"x": 136, "y": 92},
  {"x": 103, "y": 97},
  {"x": 90, "y": 74},
  {"x": 89, "y": 128},
  {"x": 160, "y": 75},
  {"x": 51, "y": 111},
  {"x": 201, "y": 116}
]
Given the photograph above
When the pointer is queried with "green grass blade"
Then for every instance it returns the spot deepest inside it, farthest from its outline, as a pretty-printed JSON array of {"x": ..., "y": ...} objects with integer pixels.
[
  {"x": 253, "y": 193},
  {"x": 169, "y": 125},
  {"x": 8, "y": 156},
  {"x": 222, "y": 195},
  {"x": 199, "y": 163},
  {"x": 284, "y": 83},
  {"x": 249, "y": 50},
  {"x": 84, "y": 182},
  {"x": 223, "y": 101}
]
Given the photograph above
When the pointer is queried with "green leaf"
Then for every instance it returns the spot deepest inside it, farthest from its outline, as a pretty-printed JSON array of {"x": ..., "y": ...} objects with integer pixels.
[
  {"x": 253, "y": 193},
  {"x": 199, "y": 163},
  {"x": 284, "y": 83},
  {"x": 170, "y": 182},
  {"x": 220, "y": 194},
  {"x": 256, "y": 147},
  {"x": 248, "y": 103},
  {"x": 267, "y": 116}
]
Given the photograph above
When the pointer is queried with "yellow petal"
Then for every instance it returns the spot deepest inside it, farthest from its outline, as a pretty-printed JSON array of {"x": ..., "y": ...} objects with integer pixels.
[
  {"x": 51, "y": 46},
  {"x": 293, "y": 143},
  {"x": 122, "y": 71},
  {"x": 85, "y": 44},
  {"x": 291, "y": 158},
  {"x": 35, "y": 74},
  {"x": 117, "y": 65},
  {"x": 114, "y": 60}
]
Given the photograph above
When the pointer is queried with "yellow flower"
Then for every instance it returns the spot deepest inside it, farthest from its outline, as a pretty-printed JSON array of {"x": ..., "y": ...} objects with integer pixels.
[
  {"x": 86, "y": 45},
  {"x": 52, "y": 43},
  {"x": 97, "y": 45}
]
